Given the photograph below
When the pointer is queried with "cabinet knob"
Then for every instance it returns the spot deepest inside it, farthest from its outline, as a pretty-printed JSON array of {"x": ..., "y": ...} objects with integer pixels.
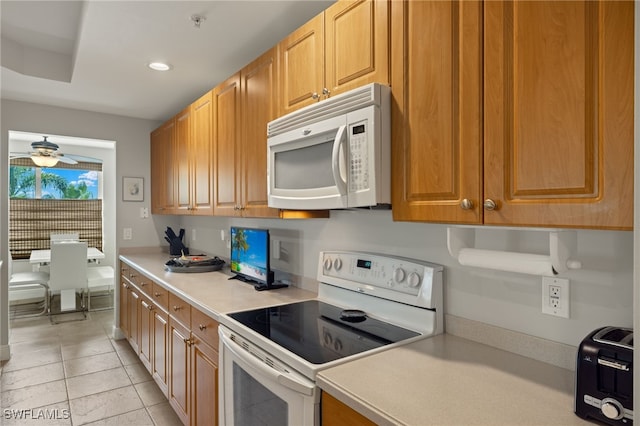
[
  {"x": 326, "y": 91},
  {"x": 176, "y": 308},
  {"x": 466, "y": 204},
  {"x": 202, "y": 327},
  {"x": 142, "y": 284},
  {"x": 156, "y": 294},
  {"x": 315, "y": 95},
  {"x": 489, "y": 204},
  {"x": 188, "y": 341},
  {"x": 150, "y": 307}
]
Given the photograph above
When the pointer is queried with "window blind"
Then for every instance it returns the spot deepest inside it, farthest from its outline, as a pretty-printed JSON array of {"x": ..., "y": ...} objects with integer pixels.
[{"x": 32, "y": 221}]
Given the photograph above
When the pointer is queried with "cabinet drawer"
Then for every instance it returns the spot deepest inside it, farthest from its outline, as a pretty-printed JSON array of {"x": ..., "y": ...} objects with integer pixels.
[
  {"x": 124, "y": 269},
  {"x": 204, "y": 327},
  {"x": 160, "y": 296},
  {"x": 179, "y": 309}
]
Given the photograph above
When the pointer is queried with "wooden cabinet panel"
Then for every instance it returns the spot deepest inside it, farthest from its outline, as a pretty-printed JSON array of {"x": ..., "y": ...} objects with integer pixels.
[
  {"x": 259, "y": 106},
  {"x": 162, "y": 171},
  {"x": 160, "y": 350},
  {"x": 179, "y": 309},
  {"x": 181, "y": 160},
  {"x": 124, "y": 307},
  {"x": 204, "y": 327},
  {"x": 133, "y": 304},
  {"x": 528, "y": 105},
  {"x": 160, "y": 297},
  {"x": 436, "y": 115},
  {"x": 302, "y": 65},
  {"x": 226, "y": 139},
  {"x": 201, "y": 152},
  {"x": 179, "y": 369},
  {"x": 336, "y": 413},
  {"x": 356, "y": 44},
  {"x": 204, "y": 384},
  {"x": 559, "y": 113},
  {"x": 146, "y": 332}
]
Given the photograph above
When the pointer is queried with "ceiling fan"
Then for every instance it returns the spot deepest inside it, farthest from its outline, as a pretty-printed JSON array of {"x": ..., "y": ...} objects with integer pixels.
[{"x": 44, "y": 154}]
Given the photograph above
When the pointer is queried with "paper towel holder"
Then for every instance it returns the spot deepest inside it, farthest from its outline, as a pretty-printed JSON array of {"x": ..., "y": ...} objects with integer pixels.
[{"x": 562, "y": 244}]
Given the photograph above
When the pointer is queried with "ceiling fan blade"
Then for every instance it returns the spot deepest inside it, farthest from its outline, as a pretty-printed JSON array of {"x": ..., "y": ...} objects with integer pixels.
[
  {"x": 61, "y": 158},
  {"x": 84, "y": 159},
  {"x": 13, "y": 155}
]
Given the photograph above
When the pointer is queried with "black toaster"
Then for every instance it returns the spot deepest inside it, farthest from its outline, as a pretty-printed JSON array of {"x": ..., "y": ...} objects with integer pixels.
[{"x": 604, "y": 376}]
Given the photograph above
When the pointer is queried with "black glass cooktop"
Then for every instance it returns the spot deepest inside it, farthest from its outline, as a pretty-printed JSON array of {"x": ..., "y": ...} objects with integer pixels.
[{"x": 320, "y": 332}]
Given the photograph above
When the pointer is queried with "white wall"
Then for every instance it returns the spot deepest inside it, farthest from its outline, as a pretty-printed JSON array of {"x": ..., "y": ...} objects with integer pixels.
[
  {"x": 132, "y": 159},
  {"x": 601, "y": 293}
]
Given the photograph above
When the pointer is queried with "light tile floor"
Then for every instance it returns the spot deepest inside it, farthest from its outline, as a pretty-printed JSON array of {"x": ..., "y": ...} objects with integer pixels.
[{"x": 74, "y": 373}]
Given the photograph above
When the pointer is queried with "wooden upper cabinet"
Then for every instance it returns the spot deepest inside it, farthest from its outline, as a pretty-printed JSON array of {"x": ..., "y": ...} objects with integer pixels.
[
  {"x": 226, "y": 142},
  {"x": 342, "y": 48},
  {"x": 559, "y": 113},
  {"x": 201, "y": 150},
  {"x": 259, "y": 106},
  {"x": 356, "y": 44},
  {"x": 436, "y": 110},
  {"x": 544, "y": 131},
  {"x": 162, "y": 169},
  {"x": 182, "y": 160}
]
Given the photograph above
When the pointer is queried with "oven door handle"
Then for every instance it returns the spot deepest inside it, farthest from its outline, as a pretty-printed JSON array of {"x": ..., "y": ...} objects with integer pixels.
[
  {"x": 285, "y": 379},
  {"x": 341, "y": 183}
]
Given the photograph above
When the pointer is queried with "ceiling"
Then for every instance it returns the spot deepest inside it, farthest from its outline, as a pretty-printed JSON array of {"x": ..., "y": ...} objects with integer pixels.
[{"x": 92, "y": 55}]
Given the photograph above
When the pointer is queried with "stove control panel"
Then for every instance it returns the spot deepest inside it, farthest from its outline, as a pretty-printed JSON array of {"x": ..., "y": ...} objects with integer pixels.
[{"x": 372, "y": 273}]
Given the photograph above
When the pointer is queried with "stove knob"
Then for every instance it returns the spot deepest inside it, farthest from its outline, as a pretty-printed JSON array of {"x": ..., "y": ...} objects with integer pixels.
[
  {"x": 327, "y": 263},
  {"x": 414, "y": 279},
  {"x": 337, "y": 345},
  {"x": 327, "y": 338},
  {"x": 337, "y": 264},
  {"x": 399, "y": 275},
  {"x": 612, "y": 409}
]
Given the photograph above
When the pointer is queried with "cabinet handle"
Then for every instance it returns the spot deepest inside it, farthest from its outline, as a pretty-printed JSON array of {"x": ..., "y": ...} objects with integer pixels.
[
  {"x": 132, "y": 275},
  {"x": 176, "y": 308},
  {"x": 142, "y": 283},
  {"x": 489, "y": 204},
  {"x": 156, "y": 294},
  {"x": 326, "y": 91},
  {"x": 202, "y": 327},
  {"x": 466, "y": 204},
  {"x": 150, "y": 307},
  {"x": 315, "y": 95},
  {"x": 188, "y": 341}
]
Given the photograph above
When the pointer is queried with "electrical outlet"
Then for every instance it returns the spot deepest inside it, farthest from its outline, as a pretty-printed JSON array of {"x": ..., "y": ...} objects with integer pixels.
[
  {"x": 555, "y": 296},
  {"x": 127, "y": 234}
]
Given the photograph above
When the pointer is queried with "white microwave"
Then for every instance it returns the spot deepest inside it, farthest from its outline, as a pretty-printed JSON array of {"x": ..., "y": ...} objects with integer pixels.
[{"x": 334, "y": 154}]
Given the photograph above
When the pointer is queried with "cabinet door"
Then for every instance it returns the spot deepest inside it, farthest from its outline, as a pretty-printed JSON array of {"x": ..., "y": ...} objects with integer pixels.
[
  {"x": 356, "y": 44},
  {"x": 179, "y": 369},
  {"x": 335, "y": 413},
  {"x": 160, "y": 350},
  {"x": 558, "y": 106},
  {"x": 227, "y": 152},
  {"x": 182, "y": 164},
  {"x": 162, "y": 172},
  {"x": 302, "y": 66},
  {"x": 124, "y": 307},
  {"x": 259, "y": 106},
  {"x": 202, "y": 156},
  {"x": 146, "y": 332},
  {"x": 204, "y": 384},
  {"x": 133, "y": 303},
  {"x": 436, "y": 111}
]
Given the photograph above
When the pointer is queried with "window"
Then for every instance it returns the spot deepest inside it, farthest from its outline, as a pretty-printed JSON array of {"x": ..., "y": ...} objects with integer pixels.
[{"x": 61, "y": 199}]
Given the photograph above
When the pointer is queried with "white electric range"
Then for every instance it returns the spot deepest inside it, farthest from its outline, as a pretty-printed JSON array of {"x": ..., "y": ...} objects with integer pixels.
[{"x": 366, "y": 303}]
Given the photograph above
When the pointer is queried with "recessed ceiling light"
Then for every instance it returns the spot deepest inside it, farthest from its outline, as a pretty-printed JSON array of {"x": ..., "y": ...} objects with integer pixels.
[{"x": 159, "y": 66}]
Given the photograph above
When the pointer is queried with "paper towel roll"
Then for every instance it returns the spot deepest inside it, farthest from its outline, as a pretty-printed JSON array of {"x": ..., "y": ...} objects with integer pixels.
[{"x": 523, "y": 263}]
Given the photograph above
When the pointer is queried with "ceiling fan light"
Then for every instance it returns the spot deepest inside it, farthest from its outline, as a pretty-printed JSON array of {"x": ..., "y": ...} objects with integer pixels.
[
  {"x": 159, "y": 66},
  {"x": 44, "y": 161}
]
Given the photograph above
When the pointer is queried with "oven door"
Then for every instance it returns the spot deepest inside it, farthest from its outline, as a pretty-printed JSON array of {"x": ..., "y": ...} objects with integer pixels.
[{"x": 255, "y": 388}]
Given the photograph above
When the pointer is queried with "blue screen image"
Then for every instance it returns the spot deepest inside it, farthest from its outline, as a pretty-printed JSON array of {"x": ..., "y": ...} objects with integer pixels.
[{"x": 249, "y": 253}]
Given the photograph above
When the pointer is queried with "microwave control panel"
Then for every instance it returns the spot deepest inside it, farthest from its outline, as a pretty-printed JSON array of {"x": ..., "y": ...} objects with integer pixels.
[{"x": 358, "y": 163}]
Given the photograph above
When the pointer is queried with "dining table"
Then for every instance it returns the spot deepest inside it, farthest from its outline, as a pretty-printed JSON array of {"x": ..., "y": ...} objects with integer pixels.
[{"x": 43, "y": 257}]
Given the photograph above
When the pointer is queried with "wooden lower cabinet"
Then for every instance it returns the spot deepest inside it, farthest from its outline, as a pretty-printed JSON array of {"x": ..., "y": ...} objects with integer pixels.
[
  {"x": 133, "y": 305},
  {"x": 146, "y": 331},
  {"x": 204, "y": 383},
  {"x": 336, "y": 413},
  {"x": 160, "y": 356},
  {"x": 179, "y": 342}
]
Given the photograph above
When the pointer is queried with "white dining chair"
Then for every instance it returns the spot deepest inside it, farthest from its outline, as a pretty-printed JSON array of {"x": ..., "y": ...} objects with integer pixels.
[
  {"x": 100, "y": 278},
  {"x": 22, "y": 281},
  {"x": 68, "y": 276}
]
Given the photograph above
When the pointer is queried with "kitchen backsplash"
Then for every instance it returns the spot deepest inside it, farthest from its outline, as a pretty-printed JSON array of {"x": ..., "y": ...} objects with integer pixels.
[{"x": 601, "y": 292}]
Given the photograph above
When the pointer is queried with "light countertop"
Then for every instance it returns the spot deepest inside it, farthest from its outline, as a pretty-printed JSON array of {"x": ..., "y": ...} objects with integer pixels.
[
  {"x": 443, "y": 380},
  {"x": 211, "y": 292},
  {"x": 447, "y": 380}
]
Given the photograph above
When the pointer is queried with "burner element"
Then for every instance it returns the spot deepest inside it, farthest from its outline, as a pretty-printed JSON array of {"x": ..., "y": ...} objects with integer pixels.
[{"x": 353, "y": 315}]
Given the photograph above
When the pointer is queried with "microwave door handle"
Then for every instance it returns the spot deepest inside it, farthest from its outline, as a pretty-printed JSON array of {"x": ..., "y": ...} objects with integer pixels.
[
  {"x": 284, "y": 379},
  {"x": 335, "y": 163}
]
